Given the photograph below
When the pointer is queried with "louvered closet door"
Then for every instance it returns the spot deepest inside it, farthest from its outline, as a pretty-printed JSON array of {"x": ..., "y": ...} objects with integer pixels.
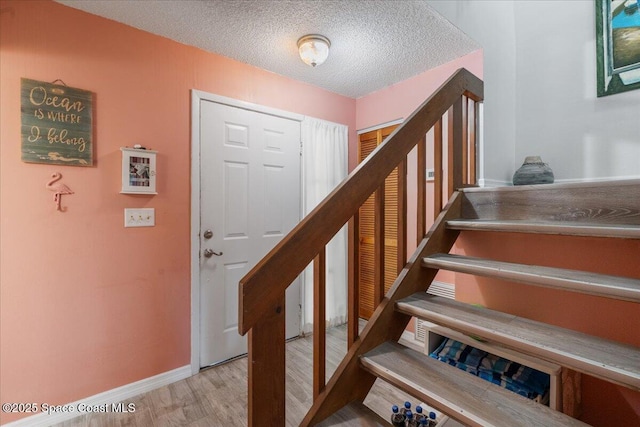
[{"x": 367, "y": 143}]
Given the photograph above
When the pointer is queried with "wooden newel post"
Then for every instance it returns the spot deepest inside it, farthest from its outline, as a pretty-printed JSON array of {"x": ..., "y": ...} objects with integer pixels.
[{"x": 266, "y": 369}]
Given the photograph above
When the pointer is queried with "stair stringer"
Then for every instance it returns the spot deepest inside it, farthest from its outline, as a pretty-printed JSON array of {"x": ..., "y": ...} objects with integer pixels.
[{"x": 352, "y": 383}]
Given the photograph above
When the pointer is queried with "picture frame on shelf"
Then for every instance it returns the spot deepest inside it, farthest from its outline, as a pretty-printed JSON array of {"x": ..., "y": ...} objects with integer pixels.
[{"x": 138, "y": 171}]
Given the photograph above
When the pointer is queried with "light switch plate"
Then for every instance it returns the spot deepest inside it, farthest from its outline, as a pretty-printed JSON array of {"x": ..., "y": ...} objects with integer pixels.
[{"x": 141, "y": 217}]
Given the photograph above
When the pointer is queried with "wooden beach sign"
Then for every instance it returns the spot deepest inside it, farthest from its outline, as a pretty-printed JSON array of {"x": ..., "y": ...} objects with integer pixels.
[{"x": 57, "y": 124}]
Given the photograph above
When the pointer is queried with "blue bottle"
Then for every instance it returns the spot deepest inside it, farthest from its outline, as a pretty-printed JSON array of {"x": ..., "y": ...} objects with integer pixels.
[
  {"x": 407, "y": 407},
  {"x": 397, "y": 419},
  {"x": 410, "y": 421},
  {"x": 432, "y": 419}
]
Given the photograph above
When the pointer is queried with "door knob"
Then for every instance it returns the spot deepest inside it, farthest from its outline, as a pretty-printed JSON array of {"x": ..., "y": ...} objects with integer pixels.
[
  {"x": 208, "y": 253},
  {"x": 208, "y": 234}
]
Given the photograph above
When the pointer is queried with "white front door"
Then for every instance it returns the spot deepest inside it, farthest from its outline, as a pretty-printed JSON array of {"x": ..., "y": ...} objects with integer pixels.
[{"x": 249, "y": 200}]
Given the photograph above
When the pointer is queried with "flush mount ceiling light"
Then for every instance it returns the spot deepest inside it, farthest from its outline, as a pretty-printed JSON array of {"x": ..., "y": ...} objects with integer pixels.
[{"x": 313, "y": 49}]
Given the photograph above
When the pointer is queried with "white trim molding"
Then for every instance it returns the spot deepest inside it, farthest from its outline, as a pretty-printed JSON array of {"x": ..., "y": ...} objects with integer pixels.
[
  {"x": 602, "y": 179},
  {"x": 109, "y": 399},
  {"x": 380, "y": 126},
  {"x": 483, "y": 182},
  {"x": 487, "y": 183}
]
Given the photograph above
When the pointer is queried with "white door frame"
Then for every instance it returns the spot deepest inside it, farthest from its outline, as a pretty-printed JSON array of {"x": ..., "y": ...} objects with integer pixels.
[{"x": 196, "y": 97}]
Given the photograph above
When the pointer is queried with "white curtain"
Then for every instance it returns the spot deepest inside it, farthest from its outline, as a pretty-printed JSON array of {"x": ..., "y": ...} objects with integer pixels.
[{"x": 324, "y": 166}]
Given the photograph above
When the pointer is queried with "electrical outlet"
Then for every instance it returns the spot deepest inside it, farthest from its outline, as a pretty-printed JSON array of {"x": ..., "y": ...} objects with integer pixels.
[{"x": 142, "y": 217}]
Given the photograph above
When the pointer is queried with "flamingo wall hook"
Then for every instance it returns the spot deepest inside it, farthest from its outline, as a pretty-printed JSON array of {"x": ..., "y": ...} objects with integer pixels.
[{"x": 58, "y": 189}]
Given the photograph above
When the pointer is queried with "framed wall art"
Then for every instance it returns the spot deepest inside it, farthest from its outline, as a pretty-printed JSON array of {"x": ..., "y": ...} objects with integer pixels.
[
  {"x": 138, "y": 171},
  {"x": 618, "y": 46},
  {"x": 57, "y": 124}
]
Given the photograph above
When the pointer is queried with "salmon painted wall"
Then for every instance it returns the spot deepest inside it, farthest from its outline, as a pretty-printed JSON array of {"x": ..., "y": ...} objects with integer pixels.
[
  {"x": 400, "y": 100},
  {"x": 87, "y": 305}
]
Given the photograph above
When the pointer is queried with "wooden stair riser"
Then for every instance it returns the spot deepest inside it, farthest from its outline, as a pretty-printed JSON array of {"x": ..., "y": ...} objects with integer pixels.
[{"x": 594, "y": 203}]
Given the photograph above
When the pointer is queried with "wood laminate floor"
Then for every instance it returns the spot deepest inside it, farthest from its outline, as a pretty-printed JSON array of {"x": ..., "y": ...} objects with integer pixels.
[{"x": 218, "y": 396}]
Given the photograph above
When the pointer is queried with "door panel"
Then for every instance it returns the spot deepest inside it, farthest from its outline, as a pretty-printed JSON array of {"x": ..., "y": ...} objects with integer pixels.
[
  {"x": 231, "y": 276},
  {"x": 250, "y": 198},
  {"x": 273, "y": 186},
  {"x": 236, "y": 198}
]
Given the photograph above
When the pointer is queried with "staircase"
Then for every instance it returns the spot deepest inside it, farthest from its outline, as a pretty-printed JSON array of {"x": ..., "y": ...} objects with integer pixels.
[
  {"x": 603, "y": 210},
  {"x": 474, "y": 401}
]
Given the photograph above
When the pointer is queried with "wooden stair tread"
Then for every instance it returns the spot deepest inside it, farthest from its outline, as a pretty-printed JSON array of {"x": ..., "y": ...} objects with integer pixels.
[
  {"x": 572, "y": 280},
  {"x": 623, "y": 231},
  {"x": 609, "y": 360},
  {"x": 465, "y": 397},
  {"x": 355, "y": 414}
]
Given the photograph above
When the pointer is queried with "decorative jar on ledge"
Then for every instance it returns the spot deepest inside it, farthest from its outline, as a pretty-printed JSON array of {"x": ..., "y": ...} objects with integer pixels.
[{"x": 533, "y": 171}]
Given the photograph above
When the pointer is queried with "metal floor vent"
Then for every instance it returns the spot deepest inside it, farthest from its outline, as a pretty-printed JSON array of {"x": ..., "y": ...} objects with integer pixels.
[{"x": 441, "y": 289}]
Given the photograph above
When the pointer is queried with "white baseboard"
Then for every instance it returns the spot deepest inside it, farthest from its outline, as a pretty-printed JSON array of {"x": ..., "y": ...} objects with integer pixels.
[
  {"x": 604, "y": 179},
  {"x": 497, "y": 183},
  {"x": 108, "y": 398},
  {"x": 482, "y": 182}
]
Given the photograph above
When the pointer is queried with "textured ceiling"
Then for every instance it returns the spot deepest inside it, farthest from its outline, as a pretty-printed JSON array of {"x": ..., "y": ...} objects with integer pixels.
[{"x": 374, "y": 44}]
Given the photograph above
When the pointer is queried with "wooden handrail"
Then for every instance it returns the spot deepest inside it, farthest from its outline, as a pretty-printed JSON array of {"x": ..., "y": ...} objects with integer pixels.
[{"x": 263, "y": 287}]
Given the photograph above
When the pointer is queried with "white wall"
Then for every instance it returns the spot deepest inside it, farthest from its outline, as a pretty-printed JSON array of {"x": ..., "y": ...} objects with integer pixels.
[
  {"x": 491, "y": 24},
  {"x": 558, "y": 114},
  {"x": 540, "y": 74}
]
